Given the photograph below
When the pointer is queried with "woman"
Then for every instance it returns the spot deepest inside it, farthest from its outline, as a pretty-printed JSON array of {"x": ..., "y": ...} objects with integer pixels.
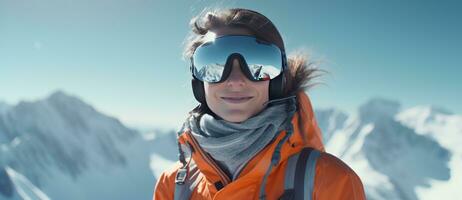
[{"x": 253, "y": 135}]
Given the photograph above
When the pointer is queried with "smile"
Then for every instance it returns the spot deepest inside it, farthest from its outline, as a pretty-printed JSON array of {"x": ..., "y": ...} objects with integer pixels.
[{"x": 236, "y": 99}]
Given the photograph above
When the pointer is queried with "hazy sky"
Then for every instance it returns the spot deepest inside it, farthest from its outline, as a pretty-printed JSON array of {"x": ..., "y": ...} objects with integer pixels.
[{"x": 124, "y": 56}]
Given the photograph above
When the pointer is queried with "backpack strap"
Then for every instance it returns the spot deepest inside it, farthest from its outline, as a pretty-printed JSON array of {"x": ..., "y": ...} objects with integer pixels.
[
  {"x": 299, "y": 175},
  {"x": 186, "y": 181}
]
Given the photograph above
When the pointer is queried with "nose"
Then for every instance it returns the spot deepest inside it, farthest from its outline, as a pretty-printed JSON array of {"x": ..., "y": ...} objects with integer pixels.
[{"x": 236, "y": 77}]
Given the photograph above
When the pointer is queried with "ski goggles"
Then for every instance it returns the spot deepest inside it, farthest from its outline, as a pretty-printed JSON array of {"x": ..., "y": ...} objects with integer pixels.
[{"x": 259, "y": 60}]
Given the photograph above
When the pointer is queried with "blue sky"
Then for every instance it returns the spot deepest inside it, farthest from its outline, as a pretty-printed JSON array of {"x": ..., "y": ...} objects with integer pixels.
[{"x": 124, "y": 56}]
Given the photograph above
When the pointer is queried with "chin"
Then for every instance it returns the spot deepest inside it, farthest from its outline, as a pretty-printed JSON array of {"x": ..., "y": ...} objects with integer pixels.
[{"x": 236, "y": 119}]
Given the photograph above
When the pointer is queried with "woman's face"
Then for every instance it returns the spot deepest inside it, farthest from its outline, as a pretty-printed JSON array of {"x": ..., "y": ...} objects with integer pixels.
[{"x": 237, "y": 98}]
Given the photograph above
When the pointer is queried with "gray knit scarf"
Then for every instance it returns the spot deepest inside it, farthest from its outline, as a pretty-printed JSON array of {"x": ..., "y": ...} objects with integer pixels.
[{"x": 232, "y": 145}]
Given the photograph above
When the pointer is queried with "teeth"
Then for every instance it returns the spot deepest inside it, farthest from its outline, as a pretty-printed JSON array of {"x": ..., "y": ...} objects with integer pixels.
[{"x": 236, "y": 98}]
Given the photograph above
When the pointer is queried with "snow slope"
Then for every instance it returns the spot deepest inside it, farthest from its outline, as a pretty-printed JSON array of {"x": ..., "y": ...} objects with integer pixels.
[
  {"x": 62, "y": 148},
  {"x": 400, "y": 154}
]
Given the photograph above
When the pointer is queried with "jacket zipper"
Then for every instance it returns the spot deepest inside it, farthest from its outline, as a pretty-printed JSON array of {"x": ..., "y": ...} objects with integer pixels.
[{"x": 210, "y": 161}]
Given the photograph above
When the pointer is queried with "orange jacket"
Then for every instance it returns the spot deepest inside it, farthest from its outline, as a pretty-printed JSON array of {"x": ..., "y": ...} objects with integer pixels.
[{"x": 333, "y": 178}]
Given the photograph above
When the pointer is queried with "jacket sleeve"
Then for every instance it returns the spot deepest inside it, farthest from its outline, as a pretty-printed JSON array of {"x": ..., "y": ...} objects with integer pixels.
[
  {"x": 165, "y": 186},
  {"x": 336, "y": 180}
]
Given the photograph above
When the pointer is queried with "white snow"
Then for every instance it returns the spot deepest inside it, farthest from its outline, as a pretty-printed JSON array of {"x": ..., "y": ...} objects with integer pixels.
[
  {"x": 447, "y": 130},
  {"x": 24, "y": 187},
  {"x": 70, "y": 151},
  {"x": 159, "y": 164},
  {"x": 339, "y": 140},
  {"x": 151, "y": 135},
  {"x": 143, "y": 157},
  {"x": 352, "y": 155}
]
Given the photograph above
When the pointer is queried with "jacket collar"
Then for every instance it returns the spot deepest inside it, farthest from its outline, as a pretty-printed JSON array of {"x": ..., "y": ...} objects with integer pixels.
[{"x": 306, "y": 133}]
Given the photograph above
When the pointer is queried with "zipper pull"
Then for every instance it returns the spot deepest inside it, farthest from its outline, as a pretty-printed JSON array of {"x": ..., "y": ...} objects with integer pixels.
[{"x": 181, "y": 176}]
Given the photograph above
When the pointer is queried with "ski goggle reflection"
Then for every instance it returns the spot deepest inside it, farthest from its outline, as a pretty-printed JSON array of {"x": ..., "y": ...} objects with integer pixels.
[{"x": 259, "y": 60}]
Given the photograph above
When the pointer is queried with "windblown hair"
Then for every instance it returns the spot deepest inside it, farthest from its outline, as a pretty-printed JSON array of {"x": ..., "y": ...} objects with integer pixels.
[{"x": 301, "y": 71}]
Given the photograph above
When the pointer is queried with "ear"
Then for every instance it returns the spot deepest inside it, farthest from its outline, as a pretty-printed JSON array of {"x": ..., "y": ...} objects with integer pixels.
[
  {"x": 198, "y": 90},
  {"x": 276, "y": 87}
]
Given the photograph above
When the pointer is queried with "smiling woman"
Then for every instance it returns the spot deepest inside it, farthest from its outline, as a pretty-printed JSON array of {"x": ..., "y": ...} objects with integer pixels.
[
  {"x": 237, "y": 98},
  {"x": 253, "y": 135}
]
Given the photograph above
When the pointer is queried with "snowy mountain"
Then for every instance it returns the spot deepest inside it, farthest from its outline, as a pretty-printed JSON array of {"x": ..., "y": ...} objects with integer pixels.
[
  {"x": 330, "y": 120},
  {"x": 399, "y": 154},
  {"x": 62, "y": 148}
]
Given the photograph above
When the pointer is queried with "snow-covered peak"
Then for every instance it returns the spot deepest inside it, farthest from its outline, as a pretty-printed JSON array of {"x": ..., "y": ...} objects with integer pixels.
[
  {"x": 329, "y": 120},
  {"x": 66, "y": 102},
  {"x": 63, "y": 96},
  {"x": 378, "y": 108},
  {"x": 419, "y": 116},
  {"x": 327, "y": 112},
  {"x": 60, "y": 147},
  {"x": 400, "y": 154},
  {"x": 424, "y": 111},
  {"x": 439, "y": 124},
  {"x": 66, "y": 132}
]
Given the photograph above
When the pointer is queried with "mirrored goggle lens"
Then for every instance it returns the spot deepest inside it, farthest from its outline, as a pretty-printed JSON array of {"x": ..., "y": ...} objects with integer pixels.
[{"x": 264, "y": 60}]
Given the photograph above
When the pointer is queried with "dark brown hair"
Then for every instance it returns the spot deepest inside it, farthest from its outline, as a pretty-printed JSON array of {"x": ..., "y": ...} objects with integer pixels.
[{"x": 301, "y": 71}]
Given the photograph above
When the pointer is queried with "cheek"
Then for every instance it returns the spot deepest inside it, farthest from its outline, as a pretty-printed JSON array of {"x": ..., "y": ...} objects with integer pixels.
[
  {"x": 210, "y": 92},
  {"x": 263, "y": 90},
  {"x": 209, "y": 89}
]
